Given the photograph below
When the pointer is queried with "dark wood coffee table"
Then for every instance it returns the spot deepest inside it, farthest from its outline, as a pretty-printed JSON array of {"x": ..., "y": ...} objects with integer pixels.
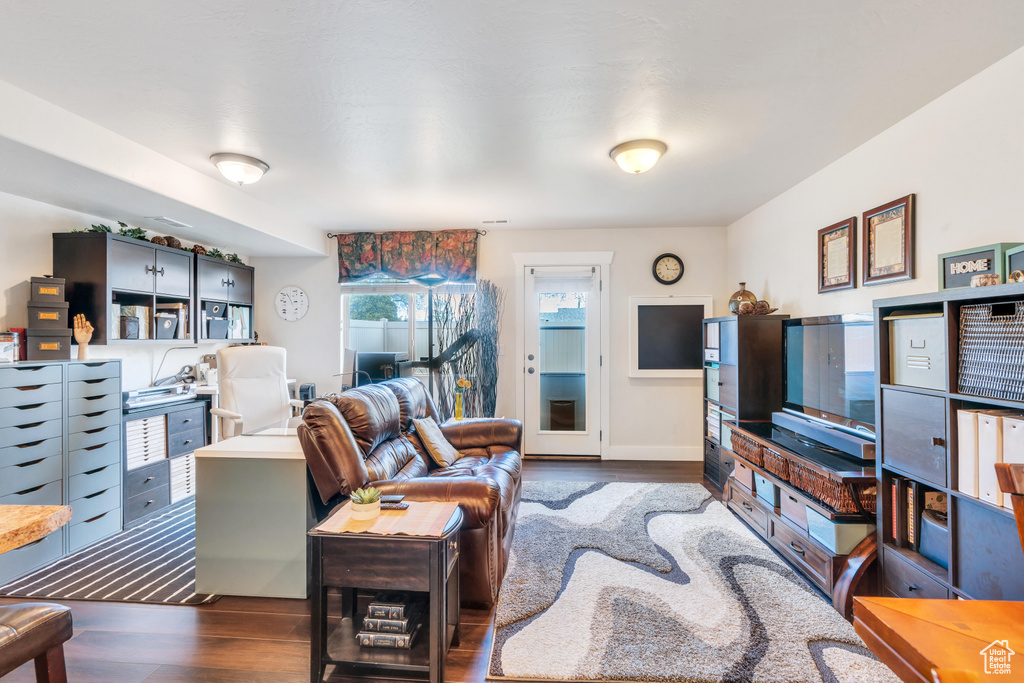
[{"x": 349, "y": 563}]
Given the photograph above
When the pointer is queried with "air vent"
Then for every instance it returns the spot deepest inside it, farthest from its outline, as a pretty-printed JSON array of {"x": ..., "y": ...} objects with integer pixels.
[
  {"x": 502, "y": 221},
  {"x": 170, "y": 222}
]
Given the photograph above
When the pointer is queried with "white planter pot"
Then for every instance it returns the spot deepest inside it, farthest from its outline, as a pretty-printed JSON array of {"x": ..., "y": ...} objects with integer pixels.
[{"x": 365, "y": 511}]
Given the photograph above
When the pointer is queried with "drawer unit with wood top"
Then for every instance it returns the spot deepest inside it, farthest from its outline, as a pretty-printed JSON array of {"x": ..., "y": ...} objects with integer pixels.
[
  {"x": 60, "y": 444},
  {"x": 158, "y": 462}
]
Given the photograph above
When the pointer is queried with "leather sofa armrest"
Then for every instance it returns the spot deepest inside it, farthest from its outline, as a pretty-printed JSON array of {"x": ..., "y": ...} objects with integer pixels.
[
  {"x": 479, "y": 497},
  {"x": 484, "y": 432}
]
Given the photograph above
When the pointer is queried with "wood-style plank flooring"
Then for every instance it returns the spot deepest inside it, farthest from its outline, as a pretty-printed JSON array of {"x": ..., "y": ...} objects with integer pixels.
[{"x": 264, "y": 640}]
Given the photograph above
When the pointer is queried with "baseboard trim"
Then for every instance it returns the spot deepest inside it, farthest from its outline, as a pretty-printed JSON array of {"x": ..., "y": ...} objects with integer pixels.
[{"x": 673, "y": 453}]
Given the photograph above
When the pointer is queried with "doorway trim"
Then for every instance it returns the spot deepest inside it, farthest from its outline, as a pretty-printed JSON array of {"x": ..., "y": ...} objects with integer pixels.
[{"x": 599, "y": 259}]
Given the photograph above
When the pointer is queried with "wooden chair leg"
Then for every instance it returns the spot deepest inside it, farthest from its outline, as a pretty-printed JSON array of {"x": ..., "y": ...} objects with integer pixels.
[{"x": 50, "y": 666}]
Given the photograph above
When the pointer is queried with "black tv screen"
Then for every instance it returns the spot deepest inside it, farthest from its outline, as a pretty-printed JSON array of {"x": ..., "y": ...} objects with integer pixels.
[{"x": 830, "y": 370}]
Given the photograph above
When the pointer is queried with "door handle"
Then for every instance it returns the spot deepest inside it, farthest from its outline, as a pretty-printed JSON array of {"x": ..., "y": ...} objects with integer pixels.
[
  {"x": 529, "y": 370},
  {"x": 530, "y": 357},
  {"x": 231, "y": 283},
  {"x": 938, "y": 441},
  {"x": 224, "y": 283},
  {"x": 151, "y": 269},
  {"x": 160, "y": 272}
]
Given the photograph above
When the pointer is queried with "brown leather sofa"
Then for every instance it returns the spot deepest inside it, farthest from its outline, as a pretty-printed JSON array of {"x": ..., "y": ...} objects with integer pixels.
[{"x": 364, "y": 437}]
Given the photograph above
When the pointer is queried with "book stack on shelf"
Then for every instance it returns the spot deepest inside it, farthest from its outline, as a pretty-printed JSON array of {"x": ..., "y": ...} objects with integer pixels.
[{"x": 392, "y": 621}]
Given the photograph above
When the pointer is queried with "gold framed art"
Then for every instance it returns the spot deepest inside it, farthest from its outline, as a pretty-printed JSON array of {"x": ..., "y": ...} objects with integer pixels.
[
  {"x": 889, "y": 242},
  {"x": 837, "y": 256}
]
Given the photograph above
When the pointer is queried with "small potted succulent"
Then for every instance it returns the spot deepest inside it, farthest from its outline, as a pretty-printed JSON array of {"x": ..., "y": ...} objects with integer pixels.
[{"x": 365, "y": 504}]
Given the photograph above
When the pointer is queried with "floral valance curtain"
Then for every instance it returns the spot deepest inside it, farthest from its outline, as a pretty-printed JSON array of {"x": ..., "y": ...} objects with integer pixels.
[{"x": 406, "y": 255}]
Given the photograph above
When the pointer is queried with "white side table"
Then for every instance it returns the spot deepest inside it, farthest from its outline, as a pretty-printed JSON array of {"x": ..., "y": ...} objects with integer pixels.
[{"x": 252, "y": 515}]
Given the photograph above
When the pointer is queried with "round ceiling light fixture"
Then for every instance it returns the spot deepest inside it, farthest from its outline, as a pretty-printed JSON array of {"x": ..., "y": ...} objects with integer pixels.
[
  {"x": 638, "y": 156},
  {"x": 239, "y": 168}
]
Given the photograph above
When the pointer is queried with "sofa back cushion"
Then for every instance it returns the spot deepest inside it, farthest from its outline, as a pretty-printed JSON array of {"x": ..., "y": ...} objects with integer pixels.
[
  {"x": 332, "y": 454},
  {"x": 413, "y": 401},
  {"x": 372, "y": 414}
]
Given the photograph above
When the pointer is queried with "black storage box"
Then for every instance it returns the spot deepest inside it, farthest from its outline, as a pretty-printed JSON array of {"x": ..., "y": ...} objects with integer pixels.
[
  {"x": 49, "y": 344},
  {"x": 166, "y": 327},
  {"x": 129, "y": 327},
  {"x": 47, "y": 289},
  {"x": 213, "y": 309},
  {"x": 217, "y": 328},
  {"x": 935, "y": 538},
  {"x": 48, "y": 316}
]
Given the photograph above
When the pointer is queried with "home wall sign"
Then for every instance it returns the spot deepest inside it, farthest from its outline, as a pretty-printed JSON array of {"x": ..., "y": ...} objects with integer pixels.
[{"x": 956, "y": 268}]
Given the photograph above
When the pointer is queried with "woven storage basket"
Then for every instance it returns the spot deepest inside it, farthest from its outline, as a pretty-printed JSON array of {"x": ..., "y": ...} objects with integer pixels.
[
  {"x": 747, "y": 449},
  {"x": 776, "y": 463},
  {"x": 991, "y": 352},
  {"x": 837, "y": 496}
]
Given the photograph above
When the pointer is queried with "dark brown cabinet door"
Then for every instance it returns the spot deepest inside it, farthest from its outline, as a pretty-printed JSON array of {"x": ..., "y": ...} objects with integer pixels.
[
  {"x": 132, "y": 267},
  {"x": 729, "y": 386},
  {"x": 239, "y": 285},
  {"x": 914, "y": 434},
  {"x": 172, "y": 273},
  {"x": 213, "y": 280}
]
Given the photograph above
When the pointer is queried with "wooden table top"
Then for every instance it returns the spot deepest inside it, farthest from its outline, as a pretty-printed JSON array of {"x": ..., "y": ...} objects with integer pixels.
[
  {"x": 912, "y": 637},
  {"x": 22, "y": 524}
]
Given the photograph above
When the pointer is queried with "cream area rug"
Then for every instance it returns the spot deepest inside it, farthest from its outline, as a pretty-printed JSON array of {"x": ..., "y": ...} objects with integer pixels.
[{"x": 659, "y": 582}]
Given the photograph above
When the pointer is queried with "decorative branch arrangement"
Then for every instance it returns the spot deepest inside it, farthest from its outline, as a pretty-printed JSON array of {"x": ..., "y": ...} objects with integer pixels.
[{"x": 166, "y": 241}]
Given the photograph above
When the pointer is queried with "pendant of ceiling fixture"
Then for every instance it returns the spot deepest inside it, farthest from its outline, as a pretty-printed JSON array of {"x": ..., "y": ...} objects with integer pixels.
[
  {"x": 239, "y": 168},
  {"x": 638, "y": 156}
]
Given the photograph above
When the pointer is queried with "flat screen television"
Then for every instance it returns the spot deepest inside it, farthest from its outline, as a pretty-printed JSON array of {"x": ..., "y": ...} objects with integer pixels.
[{"x": 829, "y": 370}]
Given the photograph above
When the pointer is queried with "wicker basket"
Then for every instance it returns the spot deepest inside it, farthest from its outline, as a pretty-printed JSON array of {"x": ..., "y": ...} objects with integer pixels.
[
  {"x": 832, "y": 493},
  {"x": 748, "y": 449},
  {"x": 776, "y": 463},
  {"x": 991, "y": 348}
]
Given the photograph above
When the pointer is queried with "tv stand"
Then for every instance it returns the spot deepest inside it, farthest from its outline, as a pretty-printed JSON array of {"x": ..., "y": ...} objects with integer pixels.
[{"x": 814, "y": 480}]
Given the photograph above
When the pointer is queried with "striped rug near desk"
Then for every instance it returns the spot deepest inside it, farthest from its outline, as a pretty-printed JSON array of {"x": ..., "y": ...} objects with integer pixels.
[{"x": 153, "y": 563}]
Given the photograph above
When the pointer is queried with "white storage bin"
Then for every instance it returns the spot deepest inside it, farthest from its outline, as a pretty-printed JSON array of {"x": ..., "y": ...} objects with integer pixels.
[{"x": 839, "y": 537}]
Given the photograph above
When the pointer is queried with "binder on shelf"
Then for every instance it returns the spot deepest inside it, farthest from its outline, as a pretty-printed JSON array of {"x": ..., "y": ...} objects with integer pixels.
[
  {"x": 1013, "y": 446},
  {"x": 898, "y": 495},
  {"x": 913, "y": 516},
  {"x": 990, "y": 452},
  {"x": 967, "y": 451}
]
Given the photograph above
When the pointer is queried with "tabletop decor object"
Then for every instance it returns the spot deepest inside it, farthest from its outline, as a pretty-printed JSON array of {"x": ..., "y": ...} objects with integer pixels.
[
  {"x": 958, "y": 269},
  {"x": 837, "y": 256},
  {"x": 460, "y": 388},
  {"x": 83, "y": 335},
  {"x": 365, "y": 504},
  {"x": 742, "y": 301},
  {"x": 889, "y": 242}
]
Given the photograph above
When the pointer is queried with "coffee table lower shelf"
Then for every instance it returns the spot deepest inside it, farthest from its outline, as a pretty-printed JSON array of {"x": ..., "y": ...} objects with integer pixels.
[{"x": 351, "y": 659}]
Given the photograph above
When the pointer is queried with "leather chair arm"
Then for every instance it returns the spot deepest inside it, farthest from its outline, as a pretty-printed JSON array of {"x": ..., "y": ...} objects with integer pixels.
[
  {"x": 478, "y": 497},
  {"x": 484, "y": 432}
]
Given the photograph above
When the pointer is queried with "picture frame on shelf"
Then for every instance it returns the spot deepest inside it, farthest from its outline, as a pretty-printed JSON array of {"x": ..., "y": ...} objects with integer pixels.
[
  {"x": 889, "y": 242},
  {"x": 837, "y": 256}
]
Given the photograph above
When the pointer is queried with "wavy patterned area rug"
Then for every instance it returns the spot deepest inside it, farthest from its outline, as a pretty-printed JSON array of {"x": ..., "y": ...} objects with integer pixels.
[{"x": 659, "y": 582}]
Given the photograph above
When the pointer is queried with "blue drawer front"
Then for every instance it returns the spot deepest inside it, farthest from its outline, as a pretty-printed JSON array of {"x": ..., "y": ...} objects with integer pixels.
[
  {"x": 88, "y": 406},
  {"x": 94, "y": 529},
  {"x": 30, "y": 474},
  {"x": 84, "y": 423},
  {"x": 19, "y": 436},
  {"x": 47, "y": 494},
  {"x": 31, "y": 395},
  {"x": 96, "y": 504},
  {"x": 94, "y": 437},
  {"x": 30, "y": 414},
  {"x": 94, "y": 387},
  {"x": 20, "y": 561},
  {"x": 89, "y": 459},
  {"x": 88, "y": 483},
  {"x": 15, "y": 455},
  {"x": 30, "y": 376},
  {"x": 86, "y": 371}
]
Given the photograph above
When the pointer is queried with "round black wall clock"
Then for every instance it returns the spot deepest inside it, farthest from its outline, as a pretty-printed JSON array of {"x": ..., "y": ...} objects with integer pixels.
[{"x": 667, "y": 269}]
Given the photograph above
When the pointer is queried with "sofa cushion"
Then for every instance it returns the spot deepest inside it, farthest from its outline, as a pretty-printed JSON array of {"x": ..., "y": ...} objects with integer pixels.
[
  {"x": 441, "y": 452},
  {"x": 372, "y": 414},
  {"x": 413, "y": 401},
  {"x": 332, "y": 454},
  {"x": 395, "y": 459}
]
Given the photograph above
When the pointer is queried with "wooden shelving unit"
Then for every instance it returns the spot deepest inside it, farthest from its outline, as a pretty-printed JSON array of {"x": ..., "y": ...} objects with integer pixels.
[
  {"x": 917, "y": 440},
  {"x": 227, "y": 284}
]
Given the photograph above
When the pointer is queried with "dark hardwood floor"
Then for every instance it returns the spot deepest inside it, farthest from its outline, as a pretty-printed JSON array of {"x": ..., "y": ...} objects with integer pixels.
[{"x": 264, "y": 640}]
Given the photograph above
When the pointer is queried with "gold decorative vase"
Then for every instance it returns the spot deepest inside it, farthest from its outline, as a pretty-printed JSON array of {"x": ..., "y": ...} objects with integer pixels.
[{"x": 742, "y": 301}]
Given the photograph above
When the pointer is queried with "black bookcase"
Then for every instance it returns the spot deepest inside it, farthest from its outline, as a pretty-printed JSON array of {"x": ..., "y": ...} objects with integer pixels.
[
  {"x": 742, "y": 381},
  {"x": 225, "y": 284}
]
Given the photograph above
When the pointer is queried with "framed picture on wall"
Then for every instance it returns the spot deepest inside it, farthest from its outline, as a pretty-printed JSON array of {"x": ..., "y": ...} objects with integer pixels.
[
  {"x": 837, "y": 256},
  {"x": 889, "y": 242}
]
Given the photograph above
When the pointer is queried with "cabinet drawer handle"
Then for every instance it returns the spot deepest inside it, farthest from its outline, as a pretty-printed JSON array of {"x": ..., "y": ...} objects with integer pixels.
[
  {"x": 187, "y": 421},
  {"x": 747, "y": 506},
  {"x": 149, "y": 502},
  {"x": 151, "y": 269},
  {"x": 797, "y": 549},
  {"x": 161, "y": 271},
  {"x": 187, "y": 442},
  {"x": 451, "y": 545},
  {"x": 148, "y": 479},
  {"x": 224, "y": 283},
  {"x": 938, "y": 441},
  {"x": 231, "y": 283},
  {"x": 912, "y": 588},
  {"x": 31, "y": 407}
]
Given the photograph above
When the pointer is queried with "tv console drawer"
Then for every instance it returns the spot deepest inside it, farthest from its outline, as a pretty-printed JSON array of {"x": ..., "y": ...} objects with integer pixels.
[
  {"x": 748, "y": 509},
  {"x": 901, "y": 579},
  {"x": 803, "y": 553}
]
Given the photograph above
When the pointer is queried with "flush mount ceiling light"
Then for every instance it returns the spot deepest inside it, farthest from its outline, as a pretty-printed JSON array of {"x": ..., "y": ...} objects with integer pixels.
[
  {"x": 637, "y": 156},
  {"x": 239, "y": 168}
]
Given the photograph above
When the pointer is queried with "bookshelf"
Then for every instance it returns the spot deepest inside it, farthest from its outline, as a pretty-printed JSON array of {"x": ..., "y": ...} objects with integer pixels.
[
  {"x": 224, "y": 291},
  {"x": 918, "y": 446}
]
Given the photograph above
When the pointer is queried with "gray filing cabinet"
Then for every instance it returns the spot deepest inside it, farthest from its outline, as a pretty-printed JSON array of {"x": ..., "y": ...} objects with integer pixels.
[{"x": 60, "y": 443}]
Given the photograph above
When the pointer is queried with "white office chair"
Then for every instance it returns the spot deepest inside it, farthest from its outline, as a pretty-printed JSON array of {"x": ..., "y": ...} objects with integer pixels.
[{"x": 253, "y": 390}]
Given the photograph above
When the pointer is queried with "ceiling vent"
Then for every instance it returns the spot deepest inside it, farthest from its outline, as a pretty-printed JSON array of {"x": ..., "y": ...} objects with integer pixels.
[
  {"x": 502, "y": 221},
  {"x": 170, "y": 222}
]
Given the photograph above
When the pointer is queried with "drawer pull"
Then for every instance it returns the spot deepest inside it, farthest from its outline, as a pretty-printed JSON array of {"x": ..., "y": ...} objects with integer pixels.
[
  {"x": 95, "y": 414},
  {"x": 911, "y": 587},
  {"x": 148, "y": 479},
  {"x": 747, "y": 506},
  {"x": 149, "y": 502},
  {"x": 30, "y": 463},
  {"x": 98, "y": 493},
  {"x": 31, "y": 407},
  {"x": 94, "y": 381},
  {"x": 31, "y": 490},
  {"x": 90, "y": 521},
  {"x": 32, "y": 388},
  {"x": 938, "y": 441},
  {"x": 451, "y": 545},
  {"x": 95, "y": 431},
  {"x": 98, "y": 469},
  {"x": 30, "y": 445},
  {"x": 29, "y": 545},
  {"x": 186, "y": 442},
  {"x": 186, "y": 421},
  {"x": 92, "y": 448},
  {"x": 31, "y": 426},
  {"x": 797, "y": 549},
  {"x": 791, "y": 498}
]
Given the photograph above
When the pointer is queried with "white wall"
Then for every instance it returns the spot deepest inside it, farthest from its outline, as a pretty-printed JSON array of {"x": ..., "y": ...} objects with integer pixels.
[
  {"x": 26, "y": 227},
  {"x": 650, "y": 418},
  {"x": 962, "y": 155}
]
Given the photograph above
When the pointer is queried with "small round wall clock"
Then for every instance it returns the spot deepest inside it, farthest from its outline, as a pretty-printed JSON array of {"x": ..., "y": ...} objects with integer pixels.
[
  {"x": 291, "y": 304},
  {"x": 667, "y": 269}
]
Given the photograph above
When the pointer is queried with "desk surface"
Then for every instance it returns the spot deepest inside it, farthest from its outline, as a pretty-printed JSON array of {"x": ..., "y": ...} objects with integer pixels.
[
  {"x": 264, "y": 447},
  {"x": 22, "y": 524},
  {"x": 912, "y": 637}
]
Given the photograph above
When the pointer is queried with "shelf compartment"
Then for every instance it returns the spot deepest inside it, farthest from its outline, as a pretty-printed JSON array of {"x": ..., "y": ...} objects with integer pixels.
[{"x": 343, "y": 649}]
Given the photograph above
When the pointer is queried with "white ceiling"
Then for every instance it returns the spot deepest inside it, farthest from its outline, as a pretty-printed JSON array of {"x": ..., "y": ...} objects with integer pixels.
[{"x": 421, "y": 115}]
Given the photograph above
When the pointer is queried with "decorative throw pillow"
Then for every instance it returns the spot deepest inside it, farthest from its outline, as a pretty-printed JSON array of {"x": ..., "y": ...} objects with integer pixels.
[{"x": 442, "y": 452}]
